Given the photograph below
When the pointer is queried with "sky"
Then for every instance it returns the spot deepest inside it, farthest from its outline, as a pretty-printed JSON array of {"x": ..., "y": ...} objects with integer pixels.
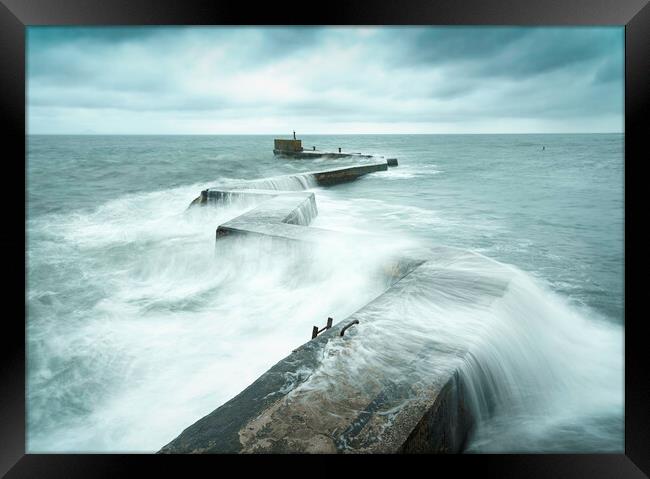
[{"x": 324, "y": 80}]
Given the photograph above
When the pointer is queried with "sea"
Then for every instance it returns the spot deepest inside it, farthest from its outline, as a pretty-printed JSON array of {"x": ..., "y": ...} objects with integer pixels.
[{"x": 138, "y": 324}]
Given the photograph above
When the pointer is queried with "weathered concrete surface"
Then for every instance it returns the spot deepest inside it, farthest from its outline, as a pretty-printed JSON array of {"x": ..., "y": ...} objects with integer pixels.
[
  {"x": 391, "y": 384},
  {"x": 342, "y": 175},
  {"x": 292, "y": 208},
  {"x": 281, "y": 145},
  {"x": 282, "y": 215}
]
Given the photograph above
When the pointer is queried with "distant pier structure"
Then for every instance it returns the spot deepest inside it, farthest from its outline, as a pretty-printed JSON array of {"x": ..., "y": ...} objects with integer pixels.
[
  {"x": 293, "y": 149},
  {"x": 287, "y": 146}
]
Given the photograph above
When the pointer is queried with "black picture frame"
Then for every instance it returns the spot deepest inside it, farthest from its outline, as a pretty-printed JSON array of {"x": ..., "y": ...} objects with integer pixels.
[{"x": 15, "y": 15}]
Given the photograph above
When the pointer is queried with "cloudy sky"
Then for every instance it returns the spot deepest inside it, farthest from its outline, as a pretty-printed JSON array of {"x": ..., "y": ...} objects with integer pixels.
[{"x": 227, "y": 80}]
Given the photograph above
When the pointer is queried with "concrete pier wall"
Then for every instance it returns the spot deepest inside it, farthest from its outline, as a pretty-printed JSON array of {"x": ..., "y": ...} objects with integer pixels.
[
  {"x": 281, "y": 214},
  {"x": 380, "y": 388},
  {"x": 298, "y": 182},
  {"x": 342, "y": 175}
]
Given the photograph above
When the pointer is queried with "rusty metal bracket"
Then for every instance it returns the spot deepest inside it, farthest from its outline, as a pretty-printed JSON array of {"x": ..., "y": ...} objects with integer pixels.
[{"x": 315, "y": 331}]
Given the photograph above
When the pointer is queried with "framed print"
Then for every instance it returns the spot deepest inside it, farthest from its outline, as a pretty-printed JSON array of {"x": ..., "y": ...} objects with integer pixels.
[{"x": 378, "y": 230}]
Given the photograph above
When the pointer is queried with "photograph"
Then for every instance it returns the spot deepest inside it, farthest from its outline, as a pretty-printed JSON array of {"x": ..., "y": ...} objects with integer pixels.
[{"x": 324, "y": 239}]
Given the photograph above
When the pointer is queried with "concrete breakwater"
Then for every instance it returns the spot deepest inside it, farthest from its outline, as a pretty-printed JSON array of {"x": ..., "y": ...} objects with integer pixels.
[
  {"x": 280, "y": 213},
  {"x": 392, "y": 383},
  {"x": 300, "y": 181}
]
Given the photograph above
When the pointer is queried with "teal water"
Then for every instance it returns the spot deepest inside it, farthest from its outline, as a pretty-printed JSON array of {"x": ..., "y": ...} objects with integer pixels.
[{"x": 133, "y": 334}]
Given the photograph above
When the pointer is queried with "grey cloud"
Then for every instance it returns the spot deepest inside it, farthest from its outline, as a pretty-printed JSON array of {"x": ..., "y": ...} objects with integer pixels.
[
  {"x": 547, "y": 50},
  {"x": 77, "y": 57},
  {"x": 505, "y": 51},
  {"x": 278, "y": 42},
  {"x": 453, "y": 44},
  {"x": 396, "y": 75},
  {"x": 611, "y": 70},
  {"x": 127, "y": 101}
]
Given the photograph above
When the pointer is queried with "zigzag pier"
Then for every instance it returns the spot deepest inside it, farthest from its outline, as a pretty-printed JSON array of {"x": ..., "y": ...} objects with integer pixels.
[
  {"x": 283, "y": 214},
  {"x": 389, "y": 378}
]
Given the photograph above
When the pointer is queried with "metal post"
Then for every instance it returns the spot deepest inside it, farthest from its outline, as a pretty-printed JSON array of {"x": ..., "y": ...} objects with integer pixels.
[{"x": 356, "y": 321}]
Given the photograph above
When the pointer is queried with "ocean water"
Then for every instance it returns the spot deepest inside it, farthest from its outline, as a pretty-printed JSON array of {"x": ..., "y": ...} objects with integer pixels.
[{"x": 137, "y": 325}]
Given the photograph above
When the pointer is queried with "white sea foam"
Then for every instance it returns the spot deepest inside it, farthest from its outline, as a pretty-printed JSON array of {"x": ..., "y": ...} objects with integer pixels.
[{"x": 155, "y": 326}]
